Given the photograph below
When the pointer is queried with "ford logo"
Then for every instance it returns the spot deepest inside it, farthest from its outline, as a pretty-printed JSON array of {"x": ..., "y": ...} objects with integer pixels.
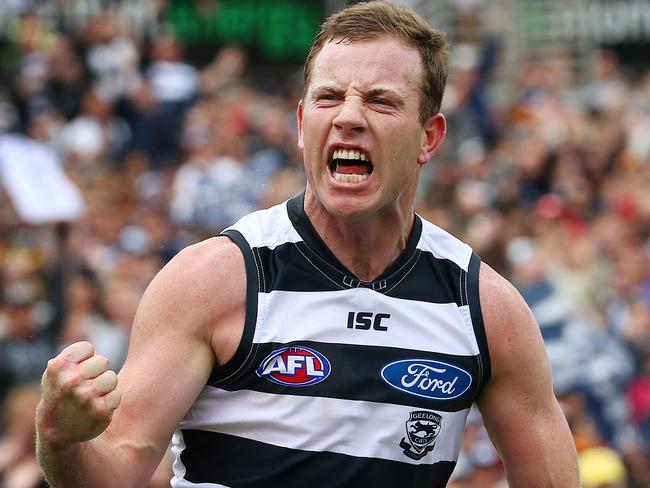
[{"x": 427, "y": 378}]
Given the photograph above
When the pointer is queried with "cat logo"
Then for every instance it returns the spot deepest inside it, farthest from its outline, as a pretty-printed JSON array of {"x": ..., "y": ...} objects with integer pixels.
[{"x": 422, "y": 429}]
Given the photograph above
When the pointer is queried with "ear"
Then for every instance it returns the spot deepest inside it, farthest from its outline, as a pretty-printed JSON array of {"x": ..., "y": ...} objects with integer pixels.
[
  {"x": 299, "y": 117},
  {"x": 433, "y": 133}
]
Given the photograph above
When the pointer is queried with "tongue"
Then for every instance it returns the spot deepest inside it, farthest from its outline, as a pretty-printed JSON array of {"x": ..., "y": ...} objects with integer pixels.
[{"x": 352, "y": 169}]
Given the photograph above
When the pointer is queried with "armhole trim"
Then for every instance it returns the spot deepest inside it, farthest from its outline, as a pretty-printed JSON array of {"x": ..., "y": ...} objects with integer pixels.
[
  {"x": 474, "y": 299},
  {"x": 228, "y": 372}
]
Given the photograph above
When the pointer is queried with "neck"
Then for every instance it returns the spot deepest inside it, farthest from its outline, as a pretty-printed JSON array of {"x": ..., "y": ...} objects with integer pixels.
[{"x": 364, "y": 245}]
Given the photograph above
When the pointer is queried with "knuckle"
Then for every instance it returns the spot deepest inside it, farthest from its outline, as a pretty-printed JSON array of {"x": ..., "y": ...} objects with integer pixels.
[
  {"x": 68, "y": 383},
  {"x": 100, "y": 362},
  {"x": 118, "y": 398},
  {"x": 111, "y": 383},
  {"x": 99, "y": 409},
  {"x": 83, "y": 346},
  {"x": 113, "y": 399},
  {"x": 86, "y": 395},
  {"x": 105, "y": 365},
  {"x": 55, "y": 364}
]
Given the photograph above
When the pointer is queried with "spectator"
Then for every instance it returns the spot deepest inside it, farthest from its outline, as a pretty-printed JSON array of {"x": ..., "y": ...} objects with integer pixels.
[
  {"x": 174, "y": 85},
  {"x": 85, "y": 320},
  {"x": 27, "y": 344},
  {"x": 166, "y": 152},
  {"x": 18, "y": 466}
]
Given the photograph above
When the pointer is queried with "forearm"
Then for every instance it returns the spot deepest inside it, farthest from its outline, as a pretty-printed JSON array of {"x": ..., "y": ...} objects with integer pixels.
[
  {"x": 557, "y": 470},
  {"x": 545, "y": 457},
  {"x": 97, "y": 463}
]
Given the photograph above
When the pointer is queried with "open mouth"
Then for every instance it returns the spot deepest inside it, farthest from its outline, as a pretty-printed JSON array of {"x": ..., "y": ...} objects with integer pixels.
[{"x": 350, "y": 166}]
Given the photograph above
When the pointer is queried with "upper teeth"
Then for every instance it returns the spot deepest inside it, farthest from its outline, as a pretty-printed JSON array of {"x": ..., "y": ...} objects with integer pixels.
[{"x": 348, "y": 154}]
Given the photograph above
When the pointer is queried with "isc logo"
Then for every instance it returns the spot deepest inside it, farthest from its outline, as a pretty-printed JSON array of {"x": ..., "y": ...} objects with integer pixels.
[
  {"x": 295, "y": 366},
  {"x": 366, "y": 320}
]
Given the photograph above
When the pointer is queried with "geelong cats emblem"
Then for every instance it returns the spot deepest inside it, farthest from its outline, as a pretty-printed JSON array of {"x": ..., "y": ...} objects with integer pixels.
[{"x": 422, "y": 429}]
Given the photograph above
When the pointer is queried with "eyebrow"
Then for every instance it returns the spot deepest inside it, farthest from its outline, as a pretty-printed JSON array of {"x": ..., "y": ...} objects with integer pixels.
[{"x": 395, "y": 96}]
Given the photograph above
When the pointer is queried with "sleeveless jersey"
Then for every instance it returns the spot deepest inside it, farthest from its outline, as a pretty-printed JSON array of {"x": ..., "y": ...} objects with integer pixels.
[{"x": 338, "y": 381}]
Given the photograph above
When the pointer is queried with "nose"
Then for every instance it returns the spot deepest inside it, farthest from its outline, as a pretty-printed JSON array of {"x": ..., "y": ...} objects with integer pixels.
[{"x": 350, "y": 116}]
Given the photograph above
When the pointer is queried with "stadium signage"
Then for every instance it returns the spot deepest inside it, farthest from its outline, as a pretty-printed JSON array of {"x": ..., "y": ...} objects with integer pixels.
[{"x": 597, "y": 21}]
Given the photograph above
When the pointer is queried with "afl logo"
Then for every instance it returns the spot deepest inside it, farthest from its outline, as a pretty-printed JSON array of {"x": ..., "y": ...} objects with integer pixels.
[
  {"x": 427, "y": 378},
  {"x": 295, "y": 366}
]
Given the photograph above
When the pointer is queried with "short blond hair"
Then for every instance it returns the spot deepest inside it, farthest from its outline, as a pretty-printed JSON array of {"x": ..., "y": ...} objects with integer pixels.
[{"x": 370, "y": 20}]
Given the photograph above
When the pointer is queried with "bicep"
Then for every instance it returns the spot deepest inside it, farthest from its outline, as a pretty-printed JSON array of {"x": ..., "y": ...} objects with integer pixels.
[
  {"x": 518, "y": 405},
  {"x": 164, "y": 372},
  {"x": 170, "y": 353}
]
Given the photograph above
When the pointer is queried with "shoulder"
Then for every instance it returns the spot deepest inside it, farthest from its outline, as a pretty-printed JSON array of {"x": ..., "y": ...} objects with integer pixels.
[
  {"x": 499, "y": 298},
  {"x": 207, "y": 261},
  {"x": 512, "y": 332},
  {"x": 525, "y": 421},
  {"x": 202, "y": 283}
]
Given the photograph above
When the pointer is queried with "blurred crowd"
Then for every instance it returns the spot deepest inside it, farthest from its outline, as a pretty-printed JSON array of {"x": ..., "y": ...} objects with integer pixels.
[{"x": 550, "y": 184}]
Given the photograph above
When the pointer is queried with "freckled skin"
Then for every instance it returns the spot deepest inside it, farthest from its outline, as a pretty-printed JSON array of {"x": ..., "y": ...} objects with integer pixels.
[{"x": 366, "y": 95}]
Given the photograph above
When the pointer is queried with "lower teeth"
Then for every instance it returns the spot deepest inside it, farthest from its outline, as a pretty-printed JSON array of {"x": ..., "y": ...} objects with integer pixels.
[{"x": 349, "y": 178}]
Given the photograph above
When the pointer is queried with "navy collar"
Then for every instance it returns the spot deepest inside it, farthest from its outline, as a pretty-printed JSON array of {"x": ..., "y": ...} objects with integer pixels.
[{"x": 331, "y": 265}]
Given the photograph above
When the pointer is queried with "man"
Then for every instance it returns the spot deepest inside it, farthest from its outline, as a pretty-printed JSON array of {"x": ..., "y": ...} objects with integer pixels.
[{"x": 335, "y": 340}]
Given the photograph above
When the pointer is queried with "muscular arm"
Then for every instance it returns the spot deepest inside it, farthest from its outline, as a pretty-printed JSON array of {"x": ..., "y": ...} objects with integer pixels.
[
  {"x": 518, "y": 406},
  {"x": 183, "y": 319}
]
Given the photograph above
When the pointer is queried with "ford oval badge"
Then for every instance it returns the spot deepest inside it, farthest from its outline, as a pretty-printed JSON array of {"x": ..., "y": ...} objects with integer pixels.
[{"x": 427, "y": 378}]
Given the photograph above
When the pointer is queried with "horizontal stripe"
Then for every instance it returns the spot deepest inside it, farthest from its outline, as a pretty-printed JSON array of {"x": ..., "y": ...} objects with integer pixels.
[
  {"x": 267, "y": 228},
  {"x": 323, "y": 317},
  {"x": 182, "y": 483},
  {"x": 432, "y": 280},
  {"x": 287, "y": 267},
  {"x": 243, "y": 463},
  {"x": 296, "y": 267},
  {"x": 180, "y": 470},
  {"x": 355, "y": 374},
  {"x": 444, "y": 245},
  {"x": 315, "y": 249},
  {"x": 353, "y": 428}
]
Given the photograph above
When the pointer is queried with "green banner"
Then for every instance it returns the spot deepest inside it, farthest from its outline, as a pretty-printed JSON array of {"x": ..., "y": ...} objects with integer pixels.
[{"x": 280, "y": 30}]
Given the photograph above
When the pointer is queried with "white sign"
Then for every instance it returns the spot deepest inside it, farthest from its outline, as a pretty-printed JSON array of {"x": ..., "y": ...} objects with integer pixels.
[{"x": 36, "y": 183}]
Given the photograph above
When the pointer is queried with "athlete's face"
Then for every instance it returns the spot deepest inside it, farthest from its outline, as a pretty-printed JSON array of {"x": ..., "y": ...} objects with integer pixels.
[{"x": 359, "y": 127}]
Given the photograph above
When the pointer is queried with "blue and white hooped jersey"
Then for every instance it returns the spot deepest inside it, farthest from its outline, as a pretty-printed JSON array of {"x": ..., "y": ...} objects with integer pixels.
[{"x": 337, "y": 381}]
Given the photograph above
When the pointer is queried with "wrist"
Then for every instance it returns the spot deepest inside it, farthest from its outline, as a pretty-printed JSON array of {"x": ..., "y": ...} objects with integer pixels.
[{"x": 48, "y": 435}]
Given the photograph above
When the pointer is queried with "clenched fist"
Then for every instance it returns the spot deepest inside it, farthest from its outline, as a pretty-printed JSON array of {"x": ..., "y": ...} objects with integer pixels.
[{"x": 79, "y": 396}]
